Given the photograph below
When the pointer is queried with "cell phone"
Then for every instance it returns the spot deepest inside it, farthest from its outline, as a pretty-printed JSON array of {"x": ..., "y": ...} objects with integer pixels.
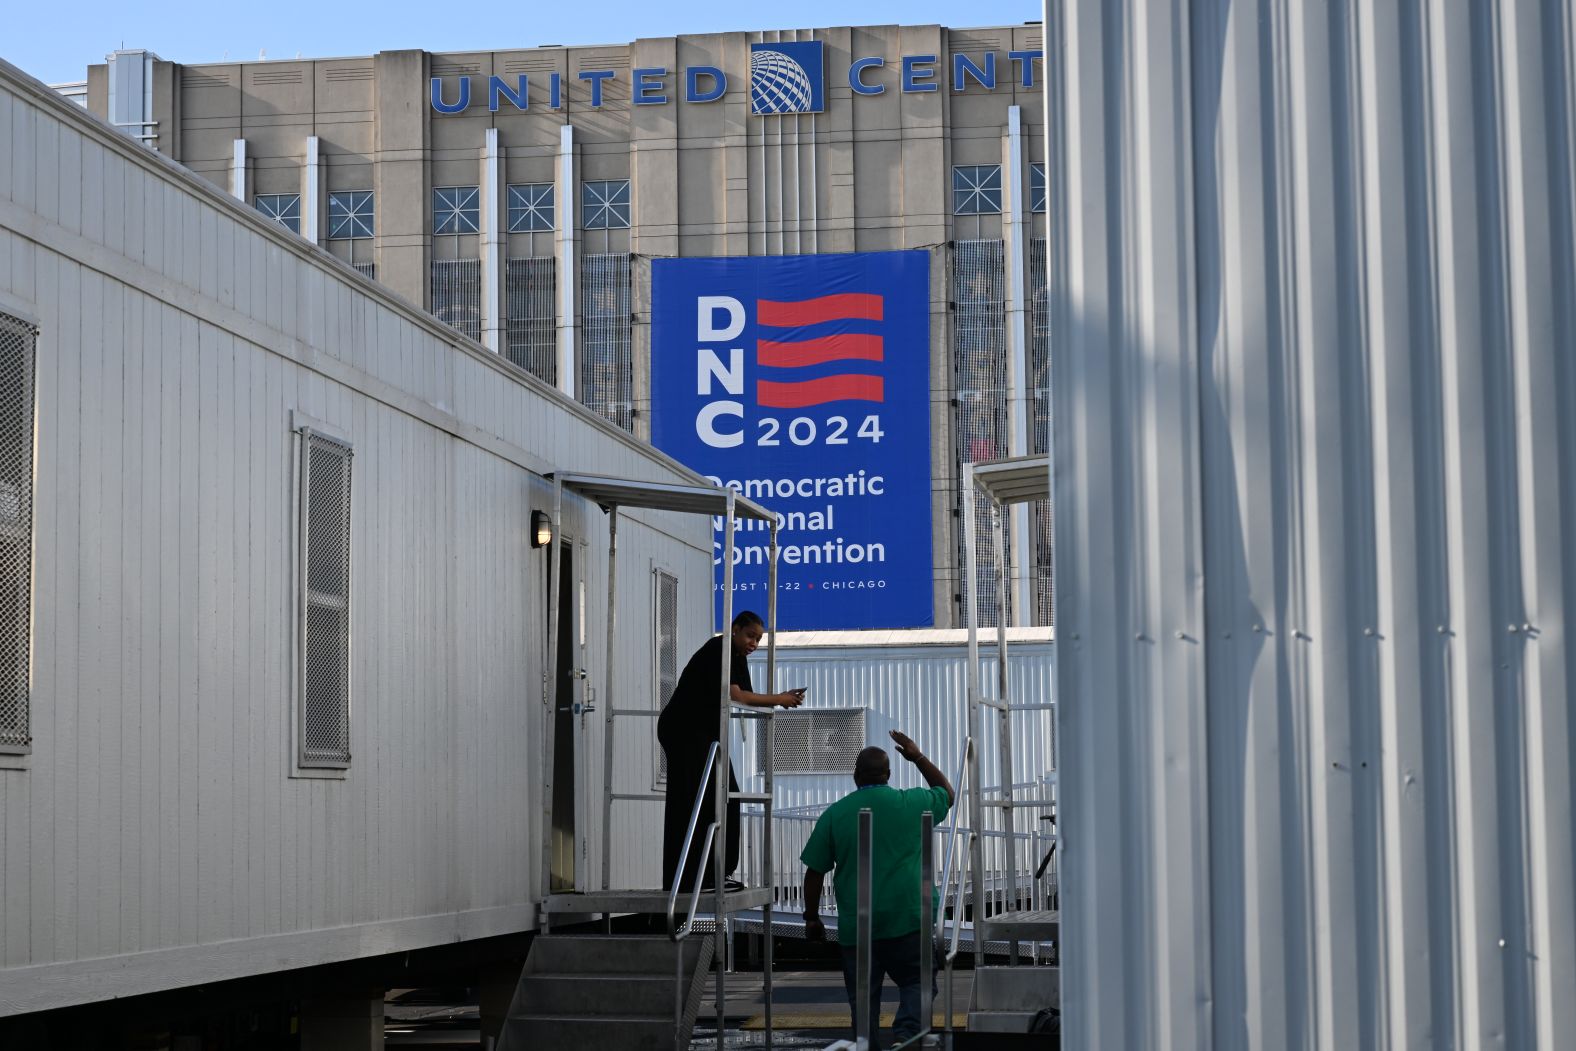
[{"x": 800, "y": 690}]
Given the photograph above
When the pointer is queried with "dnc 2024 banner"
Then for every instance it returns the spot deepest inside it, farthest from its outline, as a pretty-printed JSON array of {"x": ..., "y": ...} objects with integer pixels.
[{"x": 803, "y": 383}]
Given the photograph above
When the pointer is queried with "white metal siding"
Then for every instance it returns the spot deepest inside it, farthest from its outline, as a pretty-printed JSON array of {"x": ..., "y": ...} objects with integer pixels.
[
  {"x": 921, "y": 690},
  {"x": 1313, "y": 326},
  {"x": 154, "y": 836}
]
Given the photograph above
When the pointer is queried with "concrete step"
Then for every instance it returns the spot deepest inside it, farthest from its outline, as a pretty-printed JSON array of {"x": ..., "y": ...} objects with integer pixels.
[
  {"x": 596, "y": 995},
  {"x": 1024, "y": 988},
  {"x": 1024, "y": 925},
  {"x": 609, "y": 954},
  {"x": 555, "y": 1032},
  {"x": 1000, "y": 1021}
]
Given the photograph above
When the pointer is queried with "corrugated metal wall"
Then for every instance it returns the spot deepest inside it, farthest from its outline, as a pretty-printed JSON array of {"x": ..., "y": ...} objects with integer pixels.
[
  {"x": 920, "y": 689},
  {"x": 1314, "y": 338}
]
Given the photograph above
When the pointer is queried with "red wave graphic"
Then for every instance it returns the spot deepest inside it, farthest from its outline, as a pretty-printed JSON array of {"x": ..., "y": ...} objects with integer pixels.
[
  {"x": 798, "y": 395},
  {"x": 817, "y": 351},
  {"x": 842, "y": 306}
]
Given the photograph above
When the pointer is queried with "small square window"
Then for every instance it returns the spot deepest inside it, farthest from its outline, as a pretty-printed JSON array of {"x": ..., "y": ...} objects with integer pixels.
[
  {"x": 456, "y": 210},
  {"x": 282, "y": 208},
  {"x": 349, "y": 215},
  {"x": 605, "y": 205},
  {"x": 530, "y": 207},
  {"x": 1036, "y": 188},
  {"x": 976, "y": 189}
]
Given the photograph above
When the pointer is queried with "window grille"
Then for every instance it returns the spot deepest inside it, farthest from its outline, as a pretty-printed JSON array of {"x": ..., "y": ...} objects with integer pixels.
[
  {"x": 665, "y": 643},
  {"x": 976, "y": 189},
  {"x": 530, "y": 207},
  {"x": 18, "y": 342},
  {"x": 350, "y": 215},
  {"x": 605, "y": 205},
  {"x": 815, "y": 741},
  {"x": 606, "y": 368},
  {"x": 457, "y": 294},
  {"x": 368, "y": 270},
  {"x": 533, "y": 315},
  {"x": 1036, "y": 187},
  {"x": 1039, "y": 436},
  {"x": 325, "y": 602},
  {"x": 456, "y": 210},
  {"x": 980, "y": 424},
  {"x": 282, "y": 208}
]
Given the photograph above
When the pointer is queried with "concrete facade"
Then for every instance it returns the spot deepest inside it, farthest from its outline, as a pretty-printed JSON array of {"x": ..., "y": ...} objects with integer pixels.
[{"x": 870, "y": 172}]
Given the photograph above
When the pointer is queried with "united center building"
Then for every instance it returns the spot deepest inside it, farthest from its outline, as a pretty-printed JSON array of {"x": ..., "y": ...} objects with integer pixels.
[{"x": 540, "y": 200}]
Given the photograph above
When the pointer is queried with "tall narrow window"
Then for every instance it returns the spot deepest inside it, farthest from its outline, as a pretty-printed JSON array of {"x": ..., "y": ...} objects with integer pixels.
[
  {"x": 979, "y": 415},
  {"x": 665, "y": 643},
  {"x": 325, "y": 602},
  {"x": 18, "y": 340},
  {"x": 606, "y": 365}
]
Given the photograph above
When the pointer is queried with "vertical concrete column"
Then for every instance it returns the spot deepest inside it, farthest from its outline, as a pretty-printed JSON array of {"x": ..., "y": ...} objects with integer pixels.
[
  {"x": 492, "y": 195},
  {"x": 350, "y": 1023},
  {"x": 1015, "y": 250},
  {"x": 654, "y": 174},
  {"x": 312, "y": 192},
  {"x": 564, "y": 241},
  {"x": 400, "y": 183},
  {"x": 238, "y": 179}
]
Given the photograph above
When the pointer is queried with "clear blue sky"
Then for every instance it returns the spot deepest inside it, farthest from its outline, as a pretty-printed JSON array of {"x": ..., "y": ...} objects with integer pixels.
[{"x": 58, "y": 43}]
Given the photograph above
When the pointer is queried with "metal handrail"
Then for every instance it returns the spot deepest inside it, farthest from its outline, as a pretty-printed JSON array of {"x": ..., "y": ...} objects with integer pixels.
[
  {"x": 957, "y": 906},
  {"x": 957, "y": 827},
  {"x": 689, "y": 838}
]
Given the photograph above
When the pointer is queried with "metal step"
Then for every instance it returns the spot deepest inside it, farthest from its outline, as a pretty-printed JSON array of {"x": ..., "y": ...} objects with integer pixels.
[
  {"x": 605, "y": 954},
  {"x": 553, "y": 1032},
  {"x": 1000, "y": 1021},
  {"x": 594, "y": 995},
  {"x": 1023, "y": 988},
  {"x": 1023, "y": 925}
]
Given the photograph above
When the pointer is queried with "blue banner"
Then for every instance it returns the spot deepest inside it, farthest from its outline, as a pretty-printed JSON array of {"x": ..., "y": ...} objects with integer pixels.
[{"x": 803, "y": 383}]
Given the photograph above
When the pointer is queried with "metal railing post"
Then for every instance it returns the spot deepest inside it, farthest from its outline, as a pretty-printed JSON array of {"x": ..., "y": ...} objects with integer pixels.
[
  {"x": 927, "y": 907},
  {"x": 724, "y": 716},
  {"x": 608, "y": 698},
  {"x": 862, "y": 955}
]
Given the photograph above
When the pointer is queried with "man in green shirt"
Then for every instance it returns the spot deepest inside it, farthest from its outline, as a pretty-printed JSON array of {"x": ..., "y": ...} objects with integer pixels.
[{"x": 895, "y": 920}]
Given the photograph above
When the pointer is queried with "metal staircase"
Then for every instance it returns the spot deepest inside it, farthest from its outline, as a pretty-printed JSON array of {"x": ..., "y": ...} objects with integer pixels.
[
  {"x": 1006, "y": 998},
  {"x": 609, "y": 992}
]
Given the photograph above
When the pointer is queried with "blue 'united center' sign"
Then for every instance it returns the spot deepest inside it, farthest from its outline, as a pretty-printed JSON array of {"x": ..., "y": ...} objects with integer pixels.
[{"x": 785, "y": 77}]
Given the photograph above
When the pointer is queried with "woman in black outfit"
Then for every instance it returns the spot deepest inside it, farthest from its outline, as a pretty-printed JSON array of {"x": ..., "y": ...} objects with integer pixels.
[{"x": 687, "y": 728}]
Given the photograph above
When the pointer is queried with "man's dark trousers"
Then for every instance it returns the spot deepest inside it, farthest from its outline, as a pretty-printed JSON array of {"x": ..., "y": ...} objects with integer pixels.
[{"x": 897, "y": 958}]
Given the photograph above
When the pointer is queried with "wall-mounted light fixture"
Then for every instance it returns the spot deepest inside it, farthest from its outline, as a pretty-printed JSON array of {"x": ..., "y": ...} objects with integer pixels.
[{"x": 541, "y": 529}]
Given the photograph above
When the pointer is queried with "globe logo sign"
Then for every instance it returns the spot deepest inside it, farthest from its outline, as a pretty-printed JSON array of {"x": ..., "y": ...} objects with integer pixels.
[{"x": 787, "y": 77}]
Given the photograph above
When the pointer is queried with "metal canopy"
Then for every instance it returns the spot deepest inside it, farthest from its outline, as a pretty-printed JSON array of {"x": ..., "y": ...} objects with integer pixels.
[
  {"x": 687, "y": 499},
  {"x": 1018, "y": 480}
]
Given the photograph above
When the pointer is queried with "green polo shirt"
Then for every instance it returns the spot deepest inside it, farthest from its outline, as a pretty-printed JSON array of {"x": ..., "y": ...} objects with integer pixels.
[{"x": 894, "y": 850}]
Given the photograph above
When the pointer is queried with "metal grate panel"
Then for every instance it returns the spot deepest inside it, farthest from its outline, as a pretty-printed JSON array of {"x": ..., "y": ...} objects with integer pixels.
[
  {"x": 533, "y": 316},
  {"x": 325, "y": 616},
  {"x": 815, "y": 741},
  {"x": 1040, "y": 520},
  {"x": 457, "y": 294},
  {"x": 666, "y": 644},
  {"x": 18, "y": 343},
  {"x": 367, "y": 270},
  {"x": 606, "y": 367},
  {"x": 980, "y": 424}
]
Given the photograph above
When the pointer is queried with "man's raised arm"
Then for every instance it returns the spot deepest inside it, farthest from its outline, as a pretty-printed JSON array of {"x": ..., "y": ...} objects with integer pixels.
[{"x": 927, "y": 769}]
